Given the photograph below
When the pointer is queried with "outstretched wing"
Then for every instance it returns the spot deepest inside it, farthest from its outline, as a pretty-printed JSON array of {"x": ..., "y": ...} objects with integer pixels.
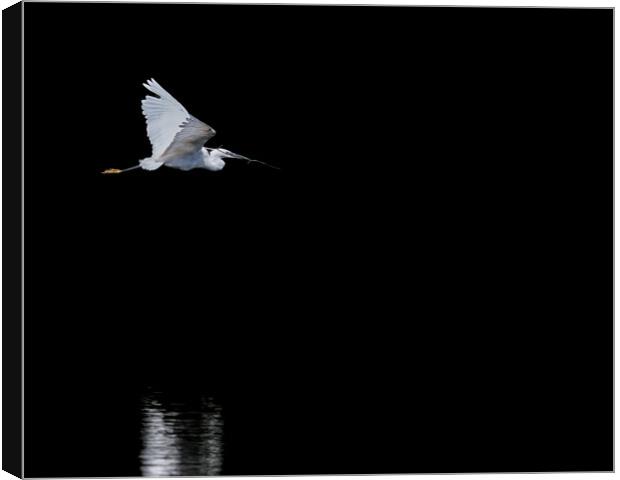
[
  {"x": 192, "y": 136},
  {"x": 166, "y": 118}
]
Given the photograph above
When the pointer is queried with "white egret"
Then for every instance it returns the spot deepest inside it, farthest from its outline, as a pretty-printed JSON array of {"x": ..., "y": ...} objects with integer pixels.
[{"x": 177, "y": 137}]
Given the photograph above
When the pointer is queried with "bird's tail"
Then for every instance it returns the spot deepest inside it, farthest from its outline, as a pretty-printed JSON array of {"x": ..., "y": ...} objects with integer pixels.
[
  {"x": 150, "y": 164},
  {"x": 145, "y": 163}
]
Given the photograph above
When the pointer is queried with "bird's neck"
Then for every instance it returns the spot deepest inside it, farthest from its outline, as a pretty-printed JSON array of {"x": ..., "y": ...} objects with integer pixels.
[
  {"x": 215, "y": 154},
  {"x": 213, "y": 160}
]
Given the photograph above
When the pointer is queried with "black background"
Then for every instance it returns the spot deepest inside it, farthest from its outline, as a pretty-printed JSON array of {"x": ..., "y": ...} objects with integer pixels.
[{"x": 424, "y": 286}]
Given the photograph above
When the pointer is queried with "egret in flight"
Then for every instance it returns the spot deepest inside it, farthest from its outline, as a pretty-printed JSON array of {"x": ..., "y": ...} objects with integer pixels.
[{"x": 177, "y": 137}]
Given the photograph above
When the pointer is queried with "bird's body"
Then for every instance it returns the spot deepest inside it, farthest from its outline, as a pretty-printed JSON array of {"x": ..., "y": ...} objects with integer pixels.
[
  {"x": 177, "y": 137},
  {"x": 200, "y": 159}
]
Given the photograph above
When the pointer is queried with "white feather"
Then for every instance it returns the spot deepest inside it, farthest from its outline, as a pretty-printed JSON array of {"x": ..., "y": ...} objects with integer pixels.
[
  {"x": 164, "y": 117},
  {"x": 150, "y": 164}
]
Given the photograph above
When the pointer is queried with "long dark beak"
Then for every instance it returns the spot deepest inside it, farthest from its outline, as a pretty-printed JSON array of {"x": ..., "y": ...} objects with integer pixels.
[{"x": 241, "y": 157}]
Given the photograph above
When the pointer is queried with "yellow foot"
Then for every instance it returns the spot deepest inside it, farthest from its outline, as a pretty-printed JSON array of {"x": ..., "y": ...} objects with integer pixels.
[{"x": 111, "y": 170}]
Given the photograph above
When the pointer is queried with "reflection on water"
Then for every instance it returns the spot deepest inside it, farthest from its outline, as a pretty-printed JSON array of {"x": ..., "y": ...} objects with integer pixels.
[{"x": 180, "y": 436}]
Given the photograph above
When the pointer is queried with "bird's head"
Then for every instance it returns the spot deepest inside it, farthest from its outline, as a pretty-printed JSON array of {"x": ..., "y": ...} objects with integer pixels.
[
  {"x": 228, "y": 154},
  {"x": 220, "y": 153}
]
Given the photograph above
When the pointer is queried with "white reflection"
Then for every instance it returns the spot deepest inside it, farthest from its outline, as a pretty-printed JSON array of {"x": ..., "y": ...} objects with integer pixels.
[{"x": 180, "y": 437}]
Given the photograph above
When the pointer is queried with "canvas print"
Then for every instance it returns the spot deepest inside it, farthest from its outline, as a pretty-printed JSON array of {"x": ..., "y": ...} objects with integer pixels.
[{"x": 316, "y": 239}]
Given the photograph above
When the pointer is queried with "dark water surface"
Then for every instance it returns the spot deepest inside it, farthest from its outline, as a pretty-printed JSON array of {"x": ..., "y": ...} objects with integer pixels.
[{"x": 180, "y": 437}]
